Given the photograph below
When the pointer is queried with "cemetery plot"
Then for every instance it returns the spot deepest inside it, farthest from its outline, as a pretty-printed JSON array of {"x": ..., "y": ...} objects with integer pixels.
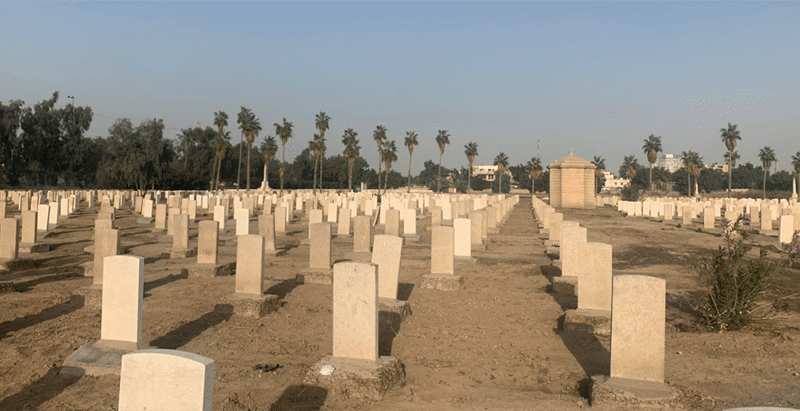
[{"x": 494, "y": 343}]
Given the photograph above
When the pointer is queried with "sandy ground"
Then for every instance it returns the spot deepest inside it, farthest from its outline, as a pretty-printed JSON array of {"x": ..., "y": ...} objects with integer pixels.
[{"x": 494, "y": 345}]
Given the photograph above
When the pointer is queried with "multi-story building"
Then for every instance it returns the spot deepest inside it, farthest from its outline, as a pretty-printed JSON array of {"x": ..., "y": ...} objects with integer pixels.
[
  {"x": 670, "y": 162},
  {"x": 612, "y": 183},
  {"x": 488, "y": 173}
]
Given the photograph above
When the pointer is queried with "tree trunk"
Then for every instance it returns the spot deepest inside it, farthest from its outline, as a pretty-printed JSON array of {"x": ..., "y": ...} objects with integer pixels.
[
  {"x": 533, "y": 185},
  {"x": 350, "y": 175},
  {"x": 248, "y": 164},
  {"x": 730, "y": 174},
  {"x": 650, "y": 180},
  {"x": 469, "y": 178},
  {"x": 219, "y": 167},
  {"x": 689, "y": 183},
  {"x": 239, "y": 169},
  {"x": 764, "y": 188},
  {"x": 314, "y": 184},
  {"x": 265, "y": 183},
  {"x": 283, "y": 166},
  {"x": 321, "y": 157},
  {"x": 410, "y": 155},
  {"x": 439, "y": 181},
  {"x": 213, "y": 173},
  {"x": 379, "y": 171}
]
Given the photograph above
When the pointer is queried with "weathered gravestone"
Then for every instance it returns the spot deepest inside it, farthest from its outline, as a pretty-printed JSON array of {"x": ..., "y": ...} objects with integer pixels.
[
  {"x": 249, "y": 300},
  {"x": 594, "y": 292},
  {"x": 180, "y": 237},
  {"x": 386, "y": 255},
  {"x": 146, "y": 374},
  {"x": 121, "y": 319},
  {"x": 319, "y": 255},
  {"x": 442, "y": 259},
  {"x": 207, "y": 264},
  {"x": 354, "y": 369},
  {"x": 637, "y": 342}
]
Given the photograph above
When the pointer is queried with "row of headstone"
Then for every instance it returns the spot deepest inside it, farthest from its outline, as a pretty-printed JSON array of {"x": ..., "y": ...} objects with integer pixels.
[
  {"x": 763, "y": 215},
  {"x": 630, "y": 309}
]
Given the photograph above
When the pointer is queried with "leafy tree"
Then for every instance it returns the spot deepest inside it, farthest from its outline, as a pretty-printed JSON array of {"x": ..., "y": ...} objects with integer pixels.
[
  {"x": 767, "y": 156},
  {"x": 379, "y": 135},
  {"x": 284, "y": 132},
  {"x": 501, "y": 161},
  {"x": 651, "y": 147},
  {"x": 352, "y": 151},
  {"x": 780, "y": 181},
  {"x": 471, "y": 150},
  {"x": 10, "y": 122},
  {"x": 268, "y": 149},
  {"x": 138, "y": 156},
  {"x": 428, "y": 175},
  {"x": 796, "y": 165},
  {"x": 321, "y": 122},
  {"x": 192, "y": 172},
  {"x": 729, "y": 137},
  {"x": 442, "y": 139},
  {"x": 410, "y": 142},
  {"x": 747, "y": 176},
  {"x": 600, "y": 166}
]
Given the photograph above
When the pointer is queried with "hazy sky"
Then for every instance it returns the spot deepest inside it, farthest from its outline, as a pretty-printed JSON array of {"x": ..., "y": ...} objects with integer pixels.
[{"x": 524, "y": 78}]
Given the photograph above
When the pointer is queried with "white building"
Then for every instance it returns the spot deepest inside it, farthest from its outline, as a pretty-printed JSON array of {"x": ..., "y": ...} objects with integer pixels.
[
  {"x": 670, "y": 162},
  {"x": 614, "y": 183},
  {"x": 488, "y": 173}
]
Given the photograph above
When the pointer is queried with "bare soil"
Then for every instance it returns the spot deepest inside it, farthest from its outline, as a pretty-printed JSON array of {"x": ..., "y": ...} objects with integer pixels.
[{"x": 494, "y": 345}]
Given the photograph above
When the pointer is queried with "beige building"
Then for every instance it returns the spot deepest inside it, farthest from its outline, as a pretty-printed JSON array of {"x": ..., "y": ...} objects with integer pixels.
[{"x": 572, "y": 182}]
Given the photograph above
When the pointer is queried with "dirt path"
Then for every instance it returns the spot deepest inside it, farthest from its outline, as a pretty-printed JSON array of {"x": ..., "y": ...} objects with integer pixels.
[{"x": 493, "y": 345}]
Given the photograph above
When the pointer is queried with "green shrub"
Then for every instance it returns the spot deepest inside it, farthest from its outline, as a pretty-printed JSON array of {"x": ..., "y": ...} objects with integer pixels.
[{"x": 734, "y": 282}]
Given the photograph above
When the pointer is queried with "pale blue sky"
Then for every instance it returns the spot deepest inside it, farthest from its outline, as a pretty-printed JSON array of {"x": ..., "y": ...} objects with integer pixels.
[{"x": 595, "y": 77}]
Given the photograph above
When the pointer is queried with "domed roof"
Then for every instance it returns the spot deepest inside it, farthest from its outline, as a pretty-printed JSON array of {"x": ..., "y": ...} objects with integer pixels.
[{"x": 571, "y": 161}]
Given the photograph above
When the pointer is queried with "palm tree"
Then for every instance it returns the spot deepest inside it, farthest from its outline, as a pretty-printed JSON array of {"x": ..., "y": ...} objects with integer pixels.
[
  {"x": 284, "y": 132},
  {"x": 389, "y": 156},
  {"x": 534, "y": 170},
  {"x": 693, "y": 164},
  {"x": 221, "y": 146},
  {"x": 796, "y": 165},
  {"x": 315, "y": 146},
  {"x": 730, "y": 136},
  {"x": 321, "y": 122},
  {"x": 471, "y": 150},
  {"x": 442, "y": 139},
  {"x": 767, "y": 156},
  {"x": 630, "y": 165},
  {"x": 651, "y": 147},
  {"x": 268, "y": 148},
  {"x": 254, "y": 127},
  {"x": 243, "y": 119},
  {"x": 379, "y": 135},
  {"x": 221, "y": 121},
  {"x": 600, "y": 166},
  {"x": 352, "y": 151},
  {"x": 730, "y": 158},
  {"x": 501, "y": 161},
  {"x": 410, "y": 142}
]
